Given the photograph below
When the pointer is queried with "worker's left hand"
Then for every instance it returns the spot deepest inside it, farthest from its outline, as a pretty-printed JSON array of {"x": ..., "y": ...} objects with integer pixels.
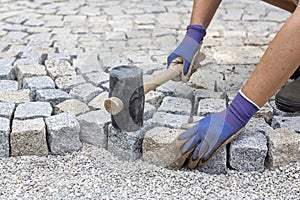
[{"x": 189, "y": 50}]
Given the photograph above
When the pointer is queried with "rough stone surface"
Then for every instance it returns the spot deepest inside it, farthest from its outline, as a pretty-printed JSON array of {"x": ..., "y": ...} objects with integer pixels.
[
  {"x": 6, "y": 72},
  {"x": 154, "y": 98},
  {"x": 66, "y": 83},
  {"x": 169, "y": 120},
  {"x": 209, "y": 105},
  {"x": 6, "y": 109},
  {"x": 94, "y": 127},
  {"x": 28, "y": 137},
  {"x": 38, "y": 83},
  {"x": 248, "y": 151},
  {"x": 176, "y": 105},
  {"x": 126, "y": 145},
  {"x": 25, "y": 71},
  {"x": 19, "y": 96},
  {"x": 85, "y": 92},
  {"x": 97, "y": 78},
  {"x": 57, "y": 68},
  {"x": 149, "y": 111},
  {"x": 218, "y": 164},
  {"x": 63, "y": 133},
  {"x": 8, "y": 85},
  {"x": 54, "y": 96},
  {"x": 283, "y": 147},
  {"x": 176, "y": 89},
  {"x": 31, "y": 110},
  {"x": 71, "y": 105},
  {"x": 4, "y": 137},
  {"x": 266, "y": 112},
  {"x": 207, "y": 79},
  {"x": 286, "y": 122},
  {"x": 97, "y": 103}
]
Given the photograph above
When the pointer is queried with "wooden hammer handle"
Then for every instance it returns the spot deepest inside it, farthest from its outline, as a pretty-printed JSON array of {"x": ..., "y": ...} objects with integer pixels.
[{"x": 174, "y": 70}]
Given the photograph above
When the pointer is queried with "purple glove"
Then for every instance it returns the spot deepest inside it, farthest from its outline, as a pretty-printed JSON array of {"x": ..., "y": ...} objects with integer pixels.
[
  {"x": 189, "y": 46},
  {"x": 215, "y": 129}
]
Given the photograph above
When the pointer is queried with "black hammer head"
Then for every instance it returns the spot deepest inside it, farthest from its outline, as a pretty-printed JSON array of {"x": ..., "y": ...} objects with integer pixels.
[{"x": 126, "y": 83}]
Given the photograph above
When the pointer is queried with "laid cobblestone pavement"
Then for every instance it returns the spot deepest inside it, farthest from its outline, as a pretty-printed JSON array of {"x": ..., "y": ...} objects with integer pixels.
[{"x": 55, "y": 59}]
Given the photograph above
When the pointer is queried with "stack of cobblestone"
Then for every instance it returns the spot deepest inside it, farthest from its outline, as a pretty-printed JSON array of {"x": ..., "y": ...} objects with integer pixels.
[{"x": 54, "y": 63}]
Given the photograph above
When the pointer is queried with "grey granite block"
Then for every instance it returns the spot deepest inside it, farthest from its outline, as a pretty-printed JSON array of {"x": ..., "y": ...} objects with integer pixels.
[
  {"x": 149, "y": 111},
  {"x": 19, "y": 96},
  {"x": 176, "y": 89},
  {"x": 7, "y": 109},
  {"x": 154, "y": 98},
  {"x": 8, "y": 85},
  {"x": 176, "y": 105},
  {"x": 169, "y": 120},
  {"x": 94, "y": 127},
  {"x": 54, "y": 96},
  {"x": 31, "y": 110},
  {"x": 218, "y": 164},
  {"x": 38, "y": 83},
  {"x": 71, "y": 105},
  {"x": 97, "y": 78},
  {"x": 28, "y": 137},
  {"x": 85, "y": 92},
  {"x": 63, "y": 133},
  {"x": 29, "y": 70},
  {"x": 126, "y": 145},
  {"x": 4, "y": 137},
  {"x": 7, "y": 72},
  {"x": 58, "y": 68},
  {"x": 283, "y": 147},
  {"x": 248, "y": 151},
  {"x": 98, "y": 102},
  {"x": 209, "y": 105},
  {"x": 66, "y": 83}
]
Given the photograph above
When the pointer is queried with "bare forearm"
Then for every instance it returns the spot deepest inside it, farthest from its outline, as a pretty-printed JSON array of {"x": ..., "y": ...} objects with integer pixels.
[
  {"x": 279, "y": 62},
  {"x": 203, "y": 11}
]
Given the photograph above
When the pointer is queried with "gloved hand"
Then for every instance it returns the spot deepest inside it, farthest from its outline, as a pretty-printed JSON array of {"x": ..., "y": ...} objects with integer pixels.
[
  {"x": 188, "y": 49},
  {"x": 216, "y": 130}
]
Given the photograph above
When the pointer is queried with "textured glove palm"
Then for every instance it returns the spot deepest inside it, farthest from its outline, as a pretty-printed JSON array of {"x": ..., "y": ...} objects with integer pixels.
[
  {"x": 213, "y": 131},
  {"x": 189, "y": 46}
]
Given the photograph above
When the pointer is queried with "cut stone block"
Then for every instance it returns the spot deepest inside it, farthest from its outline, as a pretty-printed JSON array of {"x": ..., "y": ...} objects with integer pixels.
[
  {"x": 155, "y": 140},
  {"x": 38, "y": 83},
  {"x": 209, "y": 106},
  {"x": 284, "y": 146},
  {"x": 154, "y": 98},
  {"x": 85, "y": 92},
  {"x": 97, "y": 78},
  {"x": 286, "y": 122},
  {"x": 98, "y": 102},
  {"x": 25, "y": 71},
  {"x": 207, "y": 79},
  {"x": 248, "y": 151},
  {"x": 31, "y": 110},
  {"x": 176, "y": 89},
  {"x": 4, "y": 137},
  {"x": 88, "y": 63},
  {"x": 71, "y": 105},
  {"x": 19, "y": 96},
  {"x": 169, "y": 120},
  {"x": 149, "y": 111},
  {"x": 54, "y": 96},
  {"x": 58, "y": 68},
  {"x": 258, "y": 125},
  {"x": 94, "y": 126},
  {"x": 176, "y": 105},
  {"x": 126, "y": 145},
  {"x": 28, "y": 137},
  {"x": 66, "y": 83},
  {"x": 7, "y": 72},
  {"x": 8, "y": 85},
  {"x": 6, "y": 109},
  {"x": 63, "y": 133},
  {"x": 218, "y": 164}
]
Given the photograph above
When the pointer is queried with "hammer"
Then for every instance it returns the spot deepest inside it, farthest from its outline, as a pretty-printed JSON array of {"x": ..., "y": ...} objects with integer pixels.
[{"x": 127, "y": 92}]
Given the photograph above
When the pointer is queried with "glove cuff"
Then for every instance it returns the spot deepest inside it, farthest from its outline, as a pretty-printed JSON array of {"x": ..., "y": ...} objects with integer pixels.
[{"x": 196, "y": 32}]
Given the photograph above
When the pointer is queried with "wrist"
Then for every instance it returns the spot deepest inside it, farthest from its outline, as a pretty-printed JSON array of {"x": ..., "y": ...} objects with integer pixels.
[{"x": 196, "y": 32}]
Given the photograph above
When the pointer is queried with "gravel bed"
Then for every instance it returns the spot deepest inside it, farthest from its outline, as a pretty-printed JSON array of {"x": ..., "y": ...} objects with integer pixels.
[{"x": 94, "y": 173}]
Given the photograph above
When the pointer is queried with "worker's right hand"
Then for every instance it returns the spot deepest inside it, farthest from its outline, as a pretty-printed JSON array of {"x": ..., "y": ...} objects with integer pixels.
[{"x": 188, "y": 49}]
